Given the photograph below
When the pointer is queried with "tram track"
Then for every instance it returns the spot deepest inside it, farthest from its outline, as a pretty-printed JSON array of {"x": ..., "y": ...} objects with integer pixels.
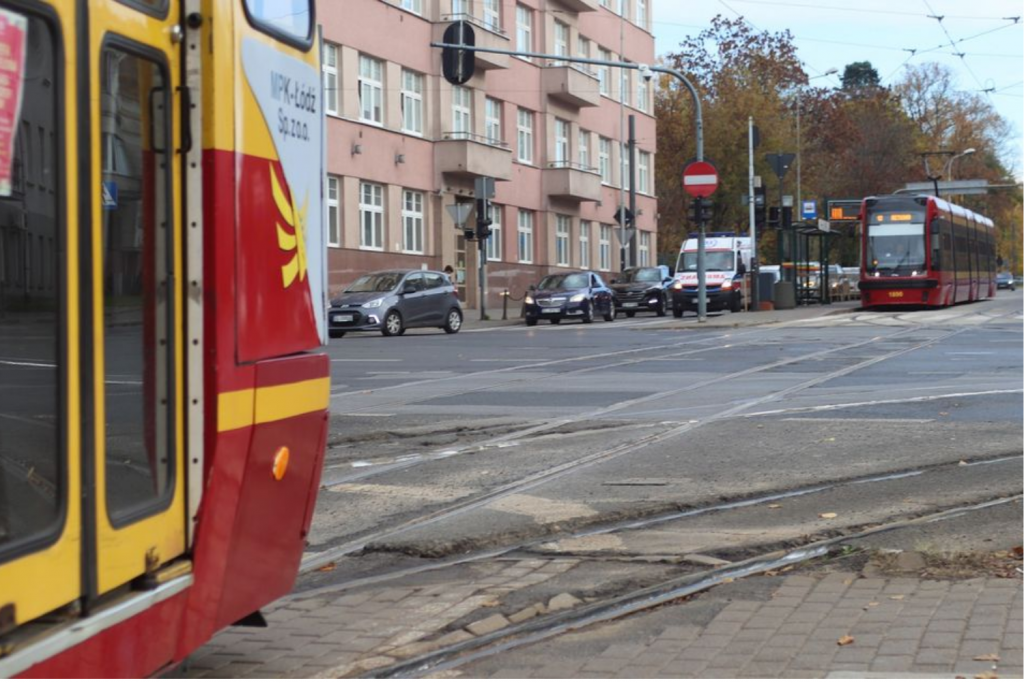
[
  {"x": 550, "y": 626},
  {"x": 553, "y": 473}
]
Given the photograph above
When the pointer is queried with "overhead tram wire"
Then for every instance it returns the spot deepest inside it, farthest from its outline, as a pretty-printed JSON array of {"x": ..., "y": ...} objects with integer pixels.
[{"x": 939, "y": 18}]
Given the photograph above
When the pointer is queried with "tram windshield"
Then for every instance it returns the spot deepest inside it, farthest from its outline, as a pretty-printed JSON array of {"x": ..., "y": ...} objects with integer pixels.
[
  {"x": 896, "y": 249},
  {"x": 713, "y": 260}
]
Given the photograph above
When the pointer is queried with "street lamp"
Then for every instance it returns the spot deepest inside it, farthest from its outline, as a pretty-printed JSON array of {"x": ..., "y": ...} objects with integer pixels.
[
  {"x": 799, "y": 105},
  {"x": 947, "y": 168}
]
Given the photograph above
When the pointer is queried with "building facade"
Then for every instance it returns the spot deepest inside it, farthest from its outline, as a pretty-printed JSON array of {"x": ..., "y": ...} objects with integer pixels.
[{"x": 403, "y": 143}]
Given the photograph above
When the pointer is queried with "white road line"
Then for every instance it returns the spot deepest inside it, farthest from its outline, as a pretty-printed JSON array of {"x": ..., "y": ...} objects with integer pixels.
[
  {"x": 27, "y": 364},
  {"x": 913, "y": 399},
  {"x": 508, "y": 360},
  {"x": 831, "y": 420},
  {"x": 366, "y": 360}
]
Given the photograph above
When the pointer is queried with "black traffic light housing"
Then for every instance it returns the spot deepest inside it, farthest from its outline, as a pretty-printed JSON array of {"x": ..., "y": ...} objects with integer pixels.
[
  {"x": 701, "y": 210},
  {"x": 773, "y": 216},
  {"x": 483, "y": 219},
  {"x": 469, "y": 234},
  {"x": 760, "y": 200}
]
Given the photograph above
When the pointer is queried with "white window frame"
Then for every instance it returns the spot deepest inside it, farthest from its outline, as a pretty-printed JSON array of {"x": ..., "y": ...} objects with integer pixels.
[
  {"x": 560, "y": 39},
  {"x": 494, "y": 241},
  {"x": 622, "y": 8},
  {"x": 641, "y": 14},
  {"x": 583, "y": 148},
  {"x": 604, "y": 78},
  {"x": 524, "y": 30},
  {"x": 604, "y": 246},
  {"x": 641, "y": 94},
  {"x": 524, "y": 136},
  {"x": 371, "y": 215},
  {"x": 525, "y": 236},
  {"x": 332, "y": 93},
  {"x": 492, "y": 120},
  {"x": 371, "y": 90},
  {"x": 583, "y": 47},
  {"x": 644, "y": 249},
  {"x": 563, "y": 226},
  {"x": 462, "y": 111},
  {"x": 604, "y": 159},
  {"x": 332, "y": 198},
  {"x": 643, "y": 173},
  {"x": 623, "y": 94},
  {"x": 414, "y": 6},
  {"x": 492, "y": 15},
  {"x": 562, "y": 131},
  {"x": 584, "y": 244},
  {"x": 412, "y": 222},
  {"x": 460, "y": 8},
  {"x": 412, "y": 102}
]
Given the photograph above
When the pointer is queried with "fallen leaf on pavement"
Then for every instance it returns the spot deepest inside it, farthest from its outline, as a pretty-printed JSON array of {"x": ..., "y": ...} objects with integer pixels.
[
  {"x": 986, "y": 674},
  {"x": 845, "y": 640},
  {"x": 774, "y": 506},
  {"x": 992, "y": 657},
  {"x": 962, "y": 462},
  {"x": 728, "y": 579},
  {"x": 870, "y": 605},
  {"x": 828, "y": 515},
  {"x": 1018, "y": 551},
  {"x": 788, "y": 568},
  {"x": 329, "y": 567},
  {"x": 896, "y": 597}
]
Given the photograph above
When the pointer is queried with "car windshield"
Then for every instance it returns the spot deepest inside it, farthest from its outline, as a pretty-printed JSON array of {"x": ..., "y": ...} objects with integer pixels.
[
  {"x": 564, "y": 281},
  {"x": 375, "y": 282},
  {"x": 642, "y": 275},
  {"x": 713, "y": 260}
]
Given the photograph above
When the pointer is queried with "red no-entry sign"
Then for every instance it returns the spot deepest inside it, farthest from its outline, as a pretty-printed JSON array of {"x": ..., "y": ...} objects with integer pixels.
[{"x": 700, "y": 179}]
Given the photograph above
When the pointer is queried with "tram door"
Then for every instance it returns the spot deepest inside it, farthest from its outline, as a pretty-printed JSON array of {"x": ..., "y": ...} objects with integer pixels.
[{"x": 131, "y": 269}]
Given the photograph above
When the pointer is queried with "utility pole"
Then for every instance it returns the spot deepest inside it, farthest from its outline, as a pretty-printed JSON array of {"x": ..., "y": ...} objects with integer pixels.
[
  {"x": 754, "y": 304},
  {"x": 631, "y": 241},
  {"x": 483, "y": 188}
]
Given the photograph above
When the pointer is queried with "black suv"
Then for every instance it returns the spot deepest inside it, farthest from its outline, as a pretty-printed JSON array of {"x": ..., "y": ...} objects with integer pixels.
[{"x": 643, "y": 289}]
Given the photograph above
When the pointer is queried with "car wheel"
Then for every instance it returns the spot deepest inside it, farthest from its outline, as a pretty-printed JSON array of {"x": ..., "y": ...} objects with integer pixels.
[
  {"x": 677, "y": 312},
  {"x": 610, "y": 315},
  {"x": 530, "y": 322},
  {"x": 336, "y": 334},
  {"x": 588, "y": 313},
  {"x": 630, "y": 314},
  {"x": 393, "y": 326},
  {"x": 454, "y": 322},
  {"x": 661, "y": 309}
]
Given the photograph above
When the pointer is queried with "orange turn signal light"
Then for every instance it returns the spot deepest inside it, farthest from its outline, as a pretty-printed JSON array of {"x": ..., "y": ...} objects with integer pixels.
[{"x": 280, "y": 462}]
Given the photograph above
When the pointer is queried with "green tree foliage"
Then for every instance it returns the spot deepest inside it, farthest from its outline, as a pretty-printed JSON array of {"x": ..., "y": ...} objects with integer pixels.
[{"x": 860, "y": 77}]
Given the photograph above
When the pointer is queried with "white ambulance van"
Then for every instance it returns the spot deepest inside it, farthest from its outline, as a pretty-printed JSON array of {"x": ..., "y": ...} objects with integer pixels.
[{"x": 727, "y": 257}]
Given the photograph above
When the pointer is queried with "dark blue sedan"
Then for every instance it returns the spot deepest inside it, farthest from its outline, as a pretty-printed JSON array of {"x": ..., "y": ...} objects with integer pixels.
[{"x": 578, "y": 294}]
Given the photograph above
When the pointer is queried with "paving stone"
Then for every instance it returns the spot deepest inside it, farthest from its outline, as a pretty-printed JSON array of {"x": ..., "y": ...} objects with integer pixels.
[
  {"x": 899, "y": 647},
  {"x": 491, "y": 624},
  {"x": 527, "y": 613},
  {"x": 624, "y": 650},
  {"x": 947, "y": 626},
  {"x": 563, "y": 601},
  {"x": 605, "y": 665},
  {"x": 894, "y": 663},
  {"x": 942, "y": 640},
  {"x": 649, "y": 659},
  {"x": 680, "y": 633},
  {"x": 763, "y": 669},
  {"x": 933, "y": 655}
]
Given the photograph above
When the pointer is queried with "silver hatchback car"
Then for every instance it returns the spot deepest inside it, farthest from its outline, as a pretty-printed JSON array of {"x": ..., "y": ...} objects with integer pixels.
[{"x": 392, "y": 301}]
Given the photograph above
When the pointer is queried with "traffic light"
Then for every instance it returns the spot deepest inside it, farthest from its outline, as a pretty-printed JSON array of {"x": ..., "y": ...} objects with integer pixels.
[
  {"x": 773, "y": 217},
  {"x": 787, "y": 217},
  {"x": 701, "y": 210},
  {"x": 469, "y": 234},
  {"x": 483, "y": 219},
  {"x": 759, "y": 205}
]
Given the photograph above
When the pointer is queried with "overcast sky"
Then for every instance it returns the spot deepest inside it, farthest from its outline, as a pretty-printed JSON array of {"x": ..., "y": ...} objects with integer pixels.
[{"x": 834, "y": 33}]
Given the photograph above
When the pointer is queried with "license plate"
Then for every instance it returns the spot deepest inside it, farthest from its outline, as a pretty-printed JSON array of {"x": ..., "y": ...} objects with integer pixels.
[
  {"x": 629, "y": 305},
  {"x": 550, "y": 310},
  {"x": 342, "y": 318}
]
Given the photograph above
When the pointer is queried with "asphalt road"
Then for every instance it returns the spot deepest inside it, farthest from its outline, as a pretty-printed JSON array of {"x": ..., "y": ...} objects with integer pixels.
[{"x": 533, "y": 438}]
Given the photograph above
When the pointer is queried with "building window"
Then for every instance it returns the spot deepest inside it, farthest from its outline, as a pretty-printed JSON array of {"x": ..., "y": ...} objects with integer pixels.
[
  {"x": 492, "y": 120},
  {"x": 331, "y": 90},
  {"x": 333, "y": 211},
  {"x": 583, "y": 147},
  {"x": 604, "y": 247},
  {"x": 643, "y": 173},
  {"x": 583, "y": 47},
  {"x": 623, "y": 95},
  {"x": 641, "y": 14},
  {"x": 562, "y": 225},
  {"x": 460, "y": 8},
  {"x": 641, "y": 93},
  {"x": 412, "y": 222},
  {"x": 371, "y": 90},
  {"x": 371, "y": 216},
  {"x": 561, "y": 142},
  {"x": 604, "y": 160},
  {"x": 525, "y": 236},
  {"x": 561, "y": 46},
  {"x": 625, "y": 172},
  {"x": 494, "y": 241},
  {"x": 584, "y": 244},
  {"x": 644, "y": 251},
  {"x": 603, "y": 72},
  {"x": 462, "y": 111},
  {"x": 621, "y": 8},
  {"x": 524, "y": 30},
  {"x": 524, "y": 135},
  {"x": 412, "y": 102},
  {"x": 492, "y": 15},
  {"x": 414, "y": 6},
  {"x": 605, "y": 3}
]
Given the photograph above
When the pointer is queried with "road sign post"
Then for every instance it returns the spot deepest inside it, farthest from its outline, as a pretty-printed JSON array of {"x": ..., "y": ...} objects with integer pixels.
[{"x": 700, "y": 180}]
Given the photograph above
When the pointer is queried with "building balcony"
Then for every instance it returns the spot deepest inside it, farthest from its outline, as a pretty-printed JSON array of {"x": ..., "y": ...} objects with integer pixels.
[
  {"x": 468, "y": 155},
  {"x": 566, "y": 180},
  {"x": 580, "y": 5},
  {"x": 573, "y": 85},
  {"x": 487, "y": 35}
]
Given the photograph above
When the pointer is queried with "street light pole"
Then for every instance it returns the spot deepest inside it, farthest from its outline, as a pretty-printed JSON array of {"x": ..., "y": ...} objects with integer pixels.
[
  {"x": 946, "y": 169},
  {"x": 799, "y": 106}
]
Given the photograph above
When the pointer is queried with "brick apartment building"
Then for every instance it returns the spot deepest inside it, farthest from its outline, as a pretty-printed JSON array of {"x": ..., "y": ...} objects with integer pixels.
[{"x": 403, "y": 143}]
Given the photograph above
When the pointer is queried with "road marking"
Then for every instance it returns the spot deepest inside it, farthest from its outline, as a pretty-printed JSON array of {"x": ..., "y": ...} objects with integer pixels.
[
  {"x": 365, "y": 414},
  {"x": 508, "y": 360},
  {"x": 970, "y": 353},
  {"x": 912, "y": 399},
  {"x": 27, "y": 364},
  {"x": 854, "y": 419},
  {"x": 366, "y": 360}
]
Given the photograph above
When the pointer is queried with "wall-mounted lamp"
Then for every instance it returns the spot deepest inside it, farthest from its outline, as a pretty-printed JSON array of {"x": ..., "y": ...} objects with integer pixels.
[
  {"x": 399, "y": 159},
  {"x": 357, "y": 149}
]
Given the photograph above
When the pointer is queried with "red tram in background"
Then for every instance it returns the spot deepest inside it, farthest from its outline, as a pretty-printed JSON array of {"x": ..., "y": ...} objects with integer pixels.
[
  {"x": 163, "y": 389},
  {"x": 923, "y": 251}
]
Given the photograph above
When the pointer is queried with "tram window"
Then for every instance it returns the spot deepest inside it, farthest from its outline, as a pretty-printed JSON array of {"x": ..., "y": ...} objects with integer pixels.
[
  {"x": 289, "y": 19},
  {"x": 137, "y": 306},
  {"x": 32, "y": 461}
]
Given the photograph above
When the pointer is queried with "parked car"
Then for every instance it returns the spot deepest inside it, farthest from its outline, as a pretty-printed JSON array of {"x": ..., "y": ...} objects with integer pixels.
[
  {"x": 839, "y": 283},
  {"x": 643, "y": 289},
  {"x": 576, "y": 294},
  {"x": 392, "y": 301},
  {"x": 1004, "y": 280}
]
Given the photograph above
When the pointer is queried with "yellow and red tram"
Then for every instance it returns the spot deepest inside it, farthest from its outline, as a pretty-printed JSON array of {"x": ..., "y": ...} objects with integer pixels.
[
  {"x": 163, "y": 396},
  {"x": 924, "y": 251}
]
